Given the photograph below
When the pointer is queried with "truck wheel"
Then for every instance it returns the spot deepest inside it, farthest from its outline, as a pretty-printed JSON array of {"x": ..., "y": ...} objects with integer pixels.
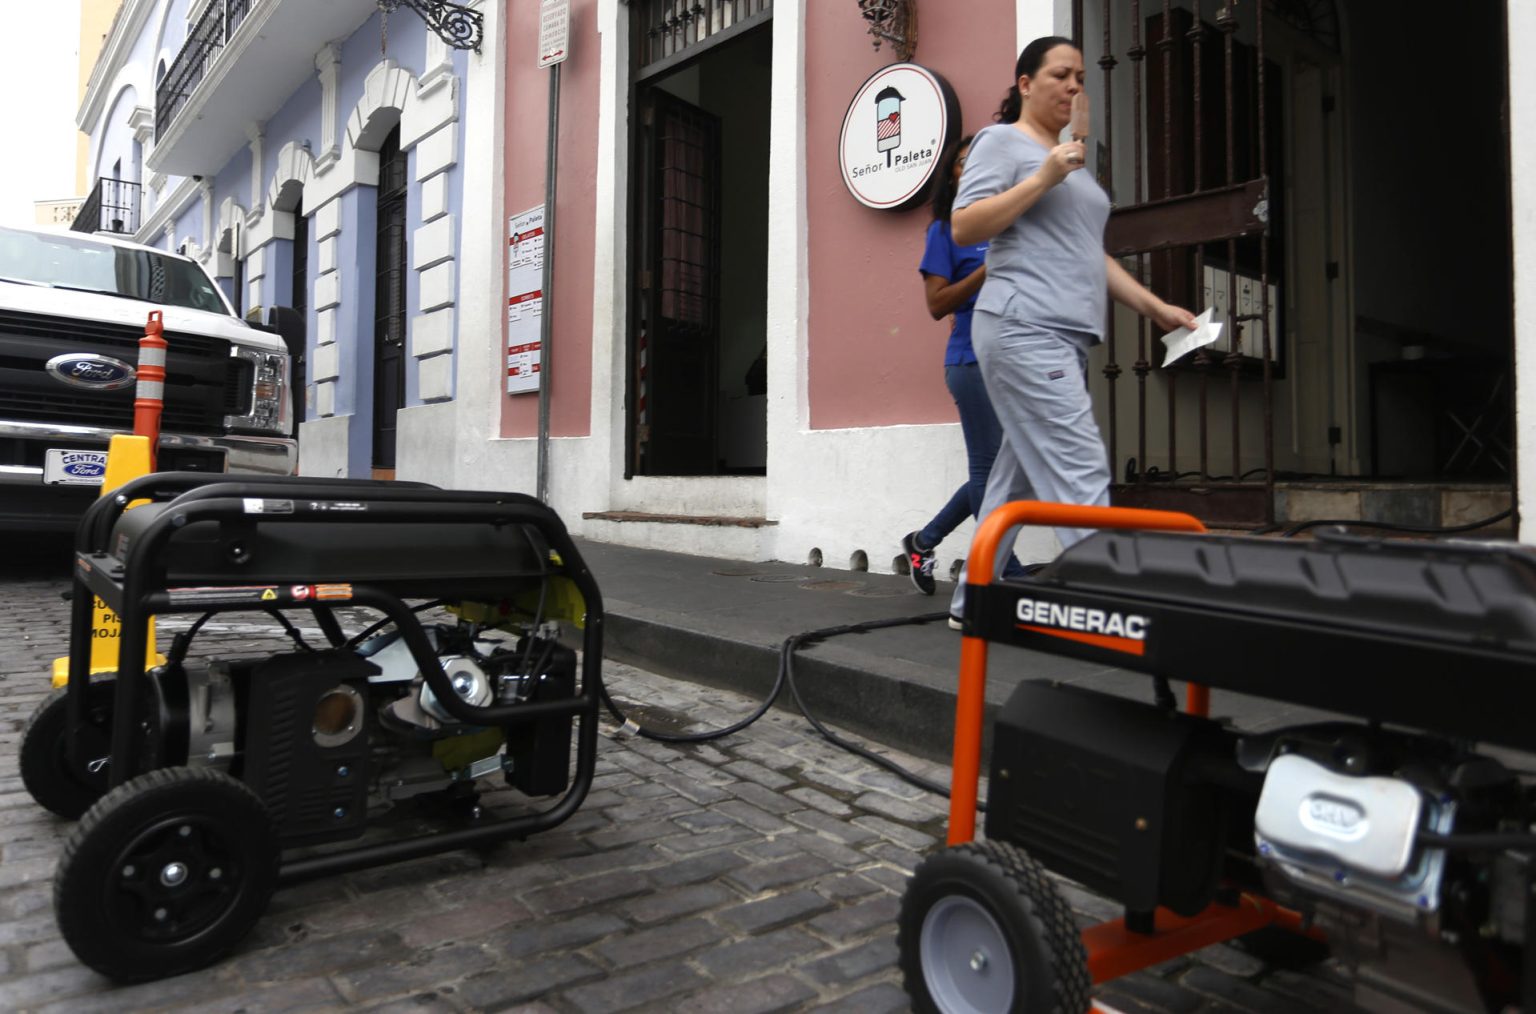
[
  {"x": 982, "y": 929},
  {"x": 165, "y": 874},
  {"x": 44, "y": 740}
]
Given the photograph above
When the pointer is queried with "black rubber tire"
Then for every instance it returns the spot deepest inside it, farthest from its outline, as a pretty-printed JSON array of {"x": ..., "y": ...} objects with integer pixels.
[
  {"x": 1048, "y": 961},
  {"x": 43, "y": 741},
  {"x": 115, "y": 907}
]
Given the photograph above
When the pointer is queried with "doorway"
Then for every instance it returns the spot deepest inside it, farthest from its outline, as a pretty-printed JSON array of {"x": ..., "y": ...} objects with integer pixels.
[
  {"x": 1432, "y": 321},
  {"x": 697, "y": 397},
  {"x": 389, "y": 304},
  {"x": 1273, "y": 165}
]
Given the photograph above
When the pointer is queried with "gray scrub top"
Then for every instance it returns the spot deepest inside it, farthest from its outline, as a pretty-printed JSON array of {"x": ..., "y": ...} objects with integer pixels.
[{"x": 1047, "y": 268}]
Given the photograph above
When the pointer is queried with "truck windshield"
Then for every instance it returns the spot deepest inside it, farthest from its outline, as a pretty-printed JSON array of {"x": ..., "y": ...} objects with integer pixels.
[{"x": 67, "y": 262}]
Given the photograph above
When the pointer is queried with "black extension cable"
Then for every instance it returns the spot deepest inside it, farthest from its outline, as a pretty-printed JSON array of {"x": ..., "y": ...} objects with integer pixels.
[
  {"x": 786, "y": 677},
  {"x": 1478, "y": 841}
]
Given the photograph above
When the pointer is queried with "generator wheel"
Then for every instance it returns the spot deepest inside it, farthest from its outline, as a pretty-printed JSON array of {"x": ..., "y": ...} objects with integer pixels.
[
  {"x": 983, "y": 930},
  {"x": 165, "y": 874},
  {"x": 44, "y": 742}
]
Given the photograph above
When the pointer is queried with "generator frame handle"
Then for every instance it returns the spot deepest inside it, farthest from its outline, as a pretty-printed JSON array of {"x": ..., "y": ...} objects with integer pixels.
[
  {"x": 92, "y": 535},
  {"x": 970, "y": 699}
]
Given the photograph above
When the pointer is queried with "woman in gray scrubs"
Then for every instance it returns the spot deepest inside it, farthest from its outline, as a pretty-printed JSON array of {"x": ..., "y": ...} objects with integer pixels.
[{"x": 1042, "y": 306}]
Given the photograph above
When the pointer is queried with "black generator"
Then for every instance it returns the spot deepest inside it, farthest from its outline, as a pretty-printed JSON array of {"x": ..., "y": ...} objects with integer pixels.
[{"x": 202, "y": 784}]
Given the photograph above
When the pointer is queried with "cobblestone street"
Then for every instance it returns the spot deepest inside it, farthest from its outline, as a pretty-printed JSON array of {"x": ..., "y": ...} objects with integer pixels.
[{"x": 759, "y": 873}]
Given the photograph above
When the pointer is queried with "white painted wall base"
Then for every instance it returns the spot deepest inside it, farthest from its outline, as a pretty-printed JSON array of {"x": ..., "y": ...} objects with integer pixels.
[
  {"x": 740, "y": 496},
  {"x": 425, "y": 446},
  {"x": 847, "y": 491},
  {"x": 323, "y": 446},
  {"x": 727, "y": 542}
]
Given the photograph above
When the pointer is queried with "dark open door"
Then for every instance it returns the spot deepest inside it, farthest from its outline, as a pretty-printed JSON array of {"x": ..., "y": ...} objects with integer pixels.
[
  {"x": 677, "y": 364},
  {"x": 389, "y": 301}
]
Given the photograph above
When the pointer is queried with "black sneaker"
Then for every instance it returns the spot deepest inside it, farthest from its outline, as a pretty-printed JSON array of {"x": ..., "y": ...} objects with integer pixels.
[{"x": 920, "y": 563}]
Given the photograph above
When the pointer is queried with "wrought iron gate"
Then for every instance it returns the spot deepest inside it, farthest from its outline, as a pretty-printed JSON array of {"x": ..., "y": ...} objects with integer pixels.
[
  {"x": 670, "y": 31},
  {"x": 1196, "y": 226}
]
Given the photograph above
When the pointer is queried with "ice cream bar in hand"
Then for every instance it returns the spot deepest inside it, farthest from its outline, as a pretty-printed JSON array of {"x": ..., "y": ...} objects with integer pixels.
[{"x": 1079, "y": 116}]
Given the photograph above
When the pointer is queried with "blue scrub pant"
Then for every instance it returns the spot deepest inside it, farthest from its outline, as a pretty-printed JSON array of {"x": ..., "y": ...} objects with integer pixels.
[
  {"x": 978, "y": 424},
  {"x": 1051, "y": 449}
]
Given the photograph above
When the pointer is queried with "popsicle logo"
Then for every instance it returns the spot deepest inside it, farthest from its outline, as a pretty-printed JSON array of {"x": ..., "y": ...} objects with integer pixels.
[
  {"x": 888, "y": 122},
  {"x": 889, "y": 163}
]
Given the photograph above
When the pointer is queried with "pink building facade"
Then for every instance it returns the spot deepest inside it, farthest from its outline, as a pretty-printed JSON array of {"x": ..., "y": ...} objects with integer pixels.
[{"x": 740, "y": 361}]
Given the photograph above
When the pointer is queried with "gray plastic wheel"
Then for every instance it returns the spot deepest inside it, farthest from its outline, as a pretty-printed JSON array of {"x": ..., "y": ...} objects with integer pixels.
[
  {"x": 983, "y": 929},
  {"x": 965, "y": 958}
]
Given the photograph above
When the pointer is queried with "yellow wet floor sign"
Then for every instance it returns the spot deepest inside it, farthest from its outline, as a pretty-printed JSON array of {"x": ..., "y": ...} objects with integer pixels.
[{"x": 127, "y": 459}]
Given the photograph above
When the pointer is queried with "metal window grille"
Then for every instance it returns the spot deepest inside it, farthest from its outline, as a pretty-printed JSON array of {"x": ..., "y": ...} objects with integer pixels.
[
  {"x": 1197, "y": 204},
  {"x": 669, "y": 30}
]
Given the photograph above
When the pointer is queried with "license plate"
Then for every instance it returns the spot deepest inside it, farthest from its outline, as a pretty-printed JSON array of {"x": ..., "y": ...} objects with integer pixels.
[{"x": 74, "y": 468}]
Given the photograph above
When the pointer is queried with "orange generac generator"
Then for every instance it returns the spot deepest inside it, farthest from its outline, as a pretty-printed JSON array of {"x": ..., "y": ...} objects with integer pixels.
[{"x": 1395, "y": 821}]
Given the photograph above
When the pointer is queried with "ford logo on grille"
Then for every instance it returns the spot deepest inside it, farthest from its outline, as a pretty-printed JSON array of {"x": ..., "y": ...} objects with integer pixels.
[
  {"x": 96, "y": 373},
  {"x": 84, "y": 465}
]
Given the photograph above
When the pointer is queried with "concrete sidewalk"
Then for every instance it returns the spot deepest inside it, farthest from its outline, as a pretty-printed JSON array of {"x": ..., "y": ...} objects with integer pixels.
[{"x": 722, "y": 622}]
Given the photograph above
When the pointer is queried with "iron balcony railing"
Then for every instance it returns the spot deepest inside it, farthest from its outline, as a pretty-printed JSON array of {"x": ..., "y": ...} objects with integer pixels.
[
  {"x": 212, "y": 32},
  {"x": 113, "y": 206}
]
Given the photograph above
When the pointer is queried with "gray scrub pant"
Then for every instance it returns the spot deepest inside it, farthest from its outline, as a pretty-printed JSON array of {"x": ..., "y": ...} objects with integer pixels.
[{"x": 1051, "y": 450}]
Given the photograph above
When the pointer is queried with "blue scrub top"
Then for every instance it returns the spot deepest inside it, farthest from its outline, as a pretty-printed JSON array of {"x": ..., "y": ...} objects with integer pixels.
[{"x": 942, "y": 258}]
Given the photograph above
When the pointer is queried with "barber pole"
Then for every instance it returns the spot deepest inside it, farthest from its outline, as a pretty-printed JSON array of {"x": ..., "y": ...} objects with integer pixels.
[{"x": 149, "y": 395}]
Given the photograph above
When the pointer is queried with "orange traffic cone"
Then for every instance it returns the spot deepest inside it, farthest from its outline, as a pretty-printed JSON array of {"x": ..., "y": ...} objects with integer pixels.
[{"x": 128, "y": 458}]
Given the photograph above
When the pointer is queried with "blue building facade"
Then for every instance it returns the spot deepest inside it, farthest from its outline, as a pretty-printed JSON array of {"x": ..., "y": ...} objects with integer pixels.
[{"x": 311, "y": 156}]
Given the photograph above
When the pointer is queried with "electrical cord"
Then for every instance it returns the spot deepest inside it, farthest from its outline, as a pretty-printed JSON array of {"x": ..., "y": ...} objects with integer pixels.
[
  {"x": 786, "y": 676},
  {"x": 289, "y": 629},
  {"x": 786, "y": 663},
  {"x": 374, "y": 628},
  {"x": 182, "y": 642},
  {"x": 1478, "y": 841}
]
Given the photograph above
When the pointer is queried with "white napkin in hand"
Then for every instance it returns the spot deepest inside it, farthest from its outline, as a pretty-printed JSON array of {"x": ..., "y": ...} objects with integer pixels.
[{"x": 1182, "y": 341}]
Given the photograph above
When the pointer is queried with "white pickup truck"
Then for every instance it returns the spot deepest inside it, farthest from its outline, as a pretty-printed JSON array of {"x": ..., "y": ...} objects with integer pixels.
[{"x": 72, "y": 310}]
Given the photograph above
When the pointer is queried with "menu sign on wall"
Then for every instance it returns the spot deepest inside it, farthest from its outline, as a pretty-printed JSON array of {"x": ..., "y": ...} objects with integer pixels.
[
  {"x": 525, "y": 298},
  {"x": 895, "y": 131}
]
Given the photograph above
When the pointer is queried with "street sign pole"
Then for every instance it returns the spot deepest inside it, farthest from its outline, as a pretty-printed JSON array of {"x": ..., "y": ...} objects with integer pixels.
[
  {"x": 546, "y": 330},
  {"x": 554, "y": 47}
]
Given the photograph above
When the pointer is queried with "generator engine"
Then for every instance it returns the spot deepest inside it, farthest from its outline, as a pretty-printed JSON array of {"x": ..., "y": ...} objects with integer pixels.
[
  {"x": 343, "y": 731},
  {"x": 1342, "y": 833},
  {"x": 1411, "y": 853}
]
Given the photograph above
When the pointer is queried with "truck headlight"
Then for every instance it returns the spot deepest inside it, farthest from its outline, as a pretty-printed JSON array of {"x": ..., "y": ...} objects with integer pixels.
[{"x": 268, "y": 396}]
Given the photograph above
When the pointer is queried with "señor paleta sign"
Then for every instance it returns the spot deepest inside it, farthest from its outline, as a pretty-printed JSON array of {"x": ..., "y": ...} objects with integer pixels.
[{"x": 894, "y": 132}]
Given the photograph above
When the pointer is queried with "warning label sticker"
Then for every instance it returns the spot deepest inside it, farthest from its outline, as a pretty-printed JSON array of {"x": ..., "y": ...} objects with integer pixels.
[{"x": 254, "y": 505}]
